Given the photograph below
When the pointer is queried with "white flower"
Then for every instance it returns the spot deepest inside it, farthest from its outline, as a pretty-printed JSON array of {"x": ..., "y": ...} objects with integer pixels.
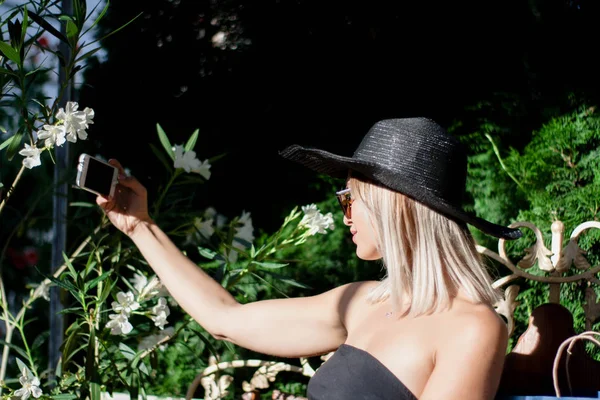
[
  {"x": 119, "y": 324},
  {"x": 125, "y": 303},
  {"x": 232, "y": 256},
  {"x": 44, "y": 289},
  {"x": 160, "y": 313},
  {"x": 32, "y": 156},
  {"x": 40, "y": 237},
  {"x": 188, "y": 161},
  {"x": 244, "y": 232},
  {"x": 30, "y": 385},
  {"x": 205, "y": 227},
  {"x": 161, "y": 307},
  {"x": 203, "y": 169},
  {"x": 310, "y": 211},
  {"x": 75, "y": 122},
  {"x": 53, "y": 135},
  {"x": 316, "y": 222},
  {"x": 89, "y": 116},
  {"x": 210, "y": 212},
  {"x": 153, "y": 287},
  {"x": 219, "y": 38},
  {"x": 152, "y": 340},
  {"x": 160, "y": 320},
  {"x": 139, "y": 281}
]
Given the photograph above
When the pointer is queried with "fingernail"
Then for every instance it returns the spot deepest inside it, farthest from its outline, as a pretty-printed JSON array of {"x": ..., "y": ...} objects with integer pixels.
[{"x": 122, "y": 176}]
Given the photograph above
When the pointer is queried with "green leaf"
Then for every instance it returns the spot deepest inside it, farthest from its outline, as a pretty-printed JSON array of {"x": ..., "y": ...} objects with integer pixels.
[
  {"x": 207, "y": 253},
  {"x": 207, "y": 343},
  {"x": 161, "y": 157},
  {"x": 88, "y": 54},
  {"x": 80, "y": 9},
  {"x": 74, "y": 70},
  {"x": 9, "y": 52},
  {"x": 64, "y": 285},
  {"x": 17, "y": 349},
  {"x": 40, "y": 339},
  {"x": 72, "y": 310},
  {"x": 10, "y": 73},
  {"x": 48, "y": 27},
  {"x": 106, "y": 290},
  {"x": 192, "y": 141},
  {"x": 70, "y": 266},
  {"x": 100, "y": 15},
  {"x": 82, "y": 204},
  {"x": 90, "y": 359},
  {"x": 72, "y": 29},
  {"x": 95, "y": 391},
  {"x": 63, "y": 396},
  {"x": 289, "y": 281},
  {"x": 21, "y": 364},
  {"x": 127, "y": 351},
  {"x": 76, "y": 350},
  {"x": 58, "y": 370},
  {"x": 269, "y": 265},
  {"x": 24, "y": 26},
  {"x": 164, "y": 140},
  {"x": 144, "y": 369},
  {"x": 94, "y": 282},
  {"x": 14, "y": 145},
  {"x": 6, "y": 142},
  {"x": 121, "y": 27}
]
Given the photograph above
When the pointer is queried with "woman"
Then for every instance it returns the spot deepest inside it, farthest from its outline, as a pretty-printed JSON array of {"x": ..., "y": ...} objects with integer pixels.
[{"x": 426, "y": 331}]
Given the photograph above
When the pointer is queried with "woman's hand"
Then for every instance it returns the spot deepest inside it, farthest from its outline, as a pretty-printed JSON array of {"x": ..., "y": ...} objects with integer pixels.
[{"x": 129, "y": 206}]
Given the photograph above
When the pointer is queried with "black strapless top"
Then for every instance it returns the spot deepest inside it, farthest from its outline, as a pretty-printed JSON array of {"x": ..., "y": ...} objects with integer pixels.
[{"x": 352, "y": 373}]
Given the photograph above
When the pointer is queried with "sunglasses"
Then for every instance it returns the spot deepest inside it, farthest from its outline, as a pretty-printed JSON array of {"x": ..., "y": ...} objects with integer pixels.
[{"x": 345, "y": 199}]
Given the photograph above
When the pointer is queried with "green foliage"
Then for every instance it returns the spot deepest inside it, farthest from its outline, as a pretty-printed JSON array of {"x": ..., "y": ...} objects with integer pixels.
[{"x": 555, "y": 177}]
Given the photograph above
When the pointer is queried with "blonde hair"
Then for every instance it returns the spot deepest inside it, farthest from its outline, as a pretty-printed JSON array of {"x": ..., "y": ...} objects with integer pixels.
[{"x": 428, "y": 257}]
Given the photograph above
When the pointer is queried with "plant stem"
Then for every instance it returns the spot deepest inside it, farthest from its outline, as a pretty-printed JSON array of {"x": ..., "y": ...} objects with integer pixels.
[
  {"x": 164, "y": 192},
  {"x": 35, "y": 295},
  {"x": 19, "y": 326},
  {"x": 497, "y": 153},
  {"x": 10, "y": 191}
]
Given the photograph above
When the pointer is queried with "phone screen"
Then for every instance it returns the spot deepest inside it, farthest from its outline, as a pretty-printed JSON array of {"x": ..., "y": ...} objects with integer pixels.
[{"x": 99, "y": 177}]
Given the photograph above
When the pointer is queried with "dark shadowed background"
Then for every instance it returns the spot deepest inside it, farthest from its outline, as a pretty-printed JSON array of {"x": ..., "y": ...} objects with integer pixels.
[{"x": 321, "y": 73}]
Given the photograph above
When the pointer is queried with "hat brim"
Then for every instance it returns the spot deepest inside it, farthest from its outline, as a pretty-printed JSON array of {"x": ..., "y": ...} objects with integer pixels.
[{"x": 337, "y": 166}]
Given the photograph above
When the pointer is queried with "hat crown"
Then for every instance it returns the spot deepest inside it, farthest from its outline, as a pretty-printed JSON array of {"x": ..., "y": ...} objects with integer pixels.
[{"x": 420, "y": 151}]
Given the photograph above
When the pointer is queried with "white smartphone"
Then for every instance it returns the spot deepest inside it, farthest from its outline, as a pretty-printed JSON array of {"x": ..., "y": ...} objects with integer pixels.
[{"x": 96, "y": 176}]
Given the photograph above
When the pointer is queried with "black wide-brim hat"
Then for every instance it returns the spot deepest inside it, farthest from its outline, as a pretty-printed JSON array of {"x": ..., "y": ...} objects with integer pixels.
[{"x": 413, "y": 156}]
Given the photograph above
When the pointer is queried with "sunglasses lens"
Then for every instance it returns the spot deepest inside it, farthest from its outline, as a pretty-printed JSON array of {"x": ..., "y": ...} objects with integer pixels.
[{"x": 345, "y": 200}]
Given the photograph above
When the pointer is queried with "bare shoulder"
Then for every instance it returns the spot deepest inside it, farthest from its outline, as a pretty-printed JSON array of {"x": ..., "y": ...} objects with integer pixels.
[
  {"x": 479, "y": 326},
  {"x": 354, "y": 290}
]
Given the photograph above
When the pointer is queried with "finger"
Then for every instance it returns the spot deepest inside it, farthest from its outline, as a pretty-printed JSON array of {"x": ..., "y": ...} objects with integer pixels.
[
  {"x": 117, "y": 164},
  {"x": 101, "y": 200},
  {"x": 105, "y": 204}
]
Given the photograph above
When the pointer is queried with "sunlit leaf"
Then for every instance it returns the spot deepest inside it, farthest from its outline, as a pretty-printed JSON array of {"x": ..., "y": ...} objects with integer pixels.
[
  {"x": 164, "y": 140},
  {"x": 9, "y": 52},
  {"x": 192, "y": 141},
  {"x": 14, "y": 145}
]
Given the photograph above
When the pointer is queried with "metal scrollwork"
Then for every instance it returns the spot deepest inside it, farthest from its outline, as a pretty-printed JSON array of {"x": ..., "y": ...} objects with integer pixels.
[{"x": 554, "y": 263}]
